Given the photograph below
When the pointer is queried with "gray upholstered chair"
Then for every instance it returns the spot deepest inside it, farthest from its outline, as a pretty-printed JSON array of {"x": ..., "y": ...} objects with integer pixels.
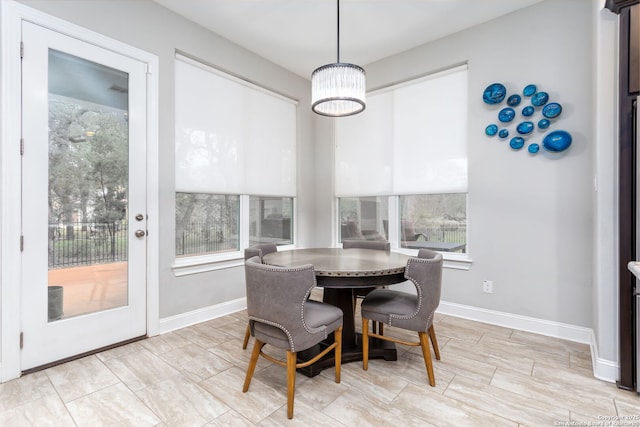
[
  {"x": 259, "y": 251},
  {"x": 281, "y": 315},
  {"x": 379, "y": 245},
  {"x": 408, "y": 311}
]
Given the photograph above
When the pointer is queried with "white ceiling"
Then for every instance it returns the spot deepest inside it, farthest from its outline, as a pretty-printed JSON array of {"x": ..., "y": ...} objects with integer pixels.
[{"x": 300, "y": 35}]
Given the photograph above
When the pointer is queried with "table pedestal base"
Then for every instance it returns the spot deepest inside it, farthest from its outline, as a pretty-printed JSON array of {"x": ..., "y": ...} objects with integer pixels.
[{"x": 378, "y": 349}]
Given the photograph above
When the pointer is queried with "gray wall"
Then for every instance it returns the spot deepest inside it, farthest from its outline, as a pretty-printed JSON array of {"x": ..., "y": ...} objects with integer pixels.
[{"x": 148, "y": 26}]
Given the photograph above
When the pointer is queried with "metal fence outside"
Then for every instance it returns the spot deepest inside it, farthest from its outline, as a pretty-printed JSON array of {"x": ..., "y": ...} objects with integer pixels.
[
  {"x": 81, "y": 243},
  {"x": 205, "y": 237}
]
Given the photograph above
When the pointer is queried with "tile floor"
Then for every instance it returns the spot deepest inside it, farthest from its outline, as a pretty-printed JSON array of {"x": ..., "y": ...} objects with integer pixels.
[{"x": 488, "y": 376}]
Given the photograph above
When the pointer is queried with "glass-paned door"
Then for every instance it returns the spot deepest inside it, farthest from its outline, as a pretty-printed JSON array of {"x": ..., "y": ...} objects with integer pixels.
[{"x": 84, "y": 200}]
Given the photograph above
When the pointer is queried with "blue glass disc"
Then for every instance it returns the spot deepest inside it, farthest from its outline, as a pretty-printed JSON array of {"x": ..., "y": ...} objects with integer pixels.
[
  {"x": 506, "y": 114},
  {"x": 514, "y": 100},
  {"x": 494, "y": 93},
  {"x": 539, "y": 99},
  {"x": 543, "y": 123},
  {"x": 529, "y": 90},
  {"x": 491, "y": 130},
  {"x": 528, "y": 111},
  {"x": 533, "y": 148},
  {"x": 552, "y": 110},
  {"x": 525, "y": 128},
  {"x": 557, "y": 141},
  {"x": 504, "y": 133},
  {"x": 516, "y": 143}
]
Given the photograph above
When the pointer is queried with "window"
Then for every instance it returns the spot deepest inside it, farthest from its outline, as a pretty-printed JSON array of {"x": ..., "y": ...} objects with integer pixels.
[
  {"x": 410, "y": 147},
  {"x": 235, "y": 142},
  {"x": 270, "y": 220},
  {"x": 206, "y": 224},
  {"x": 434, "y": 221},
  {"x": 363, "y": 218}
]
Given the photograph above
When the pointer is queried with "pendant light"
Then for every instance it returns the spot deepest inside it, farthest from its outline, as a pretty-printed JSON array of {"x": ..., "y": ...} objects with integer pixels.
[{"x": 338, "y": 89}]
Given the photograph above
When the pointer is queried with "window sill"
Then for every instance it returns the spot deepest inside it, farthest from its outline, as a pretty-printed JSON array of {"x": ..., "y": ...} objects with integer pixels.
[
  {"x": 204, "y": 263},
  {"x": 196, "y": 264},
  {"x": 453, "y": 261}
]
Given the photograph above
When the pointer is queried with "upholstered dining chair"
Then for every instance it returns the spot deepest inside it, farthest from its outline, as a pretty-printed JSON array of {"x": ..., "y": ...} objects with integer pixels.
[
  {"x": 281, "y": 315},
  {"x": 250, "y": 252},
  {"x": 380, "y": 245},
  {"x": 408, "y": 311}
]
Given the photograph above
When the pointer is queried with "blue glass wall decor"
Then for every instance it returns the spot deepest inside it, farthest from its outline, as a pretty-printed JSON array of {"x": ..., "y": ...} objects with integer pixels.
[
  {"x": 514, "y": 100},
  {"x": 506, "y": 114},
  {"x": 491, "y": 129},
  {"x": 494, "y": 93},
  {"x": 555, "y": 141}
]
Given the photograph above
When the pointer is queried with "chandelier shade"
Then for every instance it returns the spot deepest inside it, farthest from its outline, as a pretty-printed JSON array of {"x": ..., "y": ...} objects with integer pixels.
[{"x": 338, "y": 89}]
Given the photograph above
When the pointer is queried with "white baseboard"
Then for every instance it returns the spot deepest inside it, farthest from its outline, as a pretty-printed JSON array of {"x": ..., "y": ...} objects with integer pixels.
[
  {"x": 201, "y": 315},
  {"x": 603, "y": 369}
]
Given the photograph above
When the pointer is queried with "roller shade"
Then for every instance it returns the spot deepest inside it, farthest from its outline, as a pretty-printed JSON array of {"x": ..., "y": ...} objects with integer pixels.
[
  {"x": 232, "y": 137},
  {"x": 411, "y": 139}
]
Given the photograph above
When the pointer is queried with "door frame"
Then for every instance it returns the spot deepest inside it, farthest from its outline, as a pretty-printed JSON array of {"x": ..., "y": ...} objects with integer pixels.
[{"x": 11, "y": 15}]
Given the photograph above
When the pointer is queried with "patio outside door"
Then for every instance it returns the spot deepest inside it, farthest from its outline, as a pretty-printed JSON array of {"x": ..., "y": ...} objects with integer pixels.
[{"x": 83, "y": 197}]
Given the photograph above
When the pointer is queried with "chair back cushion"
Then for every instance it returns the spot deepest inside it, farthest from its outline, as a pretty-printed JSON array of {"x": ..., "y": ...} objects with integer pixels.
[
  {"x": 259, "y": 250},
  {"x": 425, "y": 272},
  {"x": 277, "y": 299},
  {"x": 380, "y": 245},
  {"x": 405, "y": 310}
]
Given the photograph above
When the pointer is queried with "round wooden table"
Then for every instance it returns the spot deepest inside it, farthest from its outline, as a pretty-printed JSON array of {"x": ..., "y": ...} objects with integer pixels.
[{"x": 341, "y": 272}]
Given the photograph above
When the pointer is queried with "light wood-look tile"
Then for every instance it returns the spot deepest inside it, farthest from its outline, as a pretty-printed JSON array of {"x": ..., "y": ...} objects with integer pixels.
[
  {"x": 180, "y": 401},
  {"x": 80, "y": 377},
  {"x": 115, "y": 405},
  {"x": 488, "y": 375}
]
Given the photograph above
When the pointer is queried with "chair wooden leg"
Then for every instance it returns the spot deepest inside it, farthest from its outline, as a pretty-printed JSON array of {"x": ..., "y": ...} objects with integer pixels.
[
  {"x": 247, "y": 334},
  {"x": 252, "y": 364},
  {"x": 338, "y": 352},
  {"x": 426, "y": 353},
  {"x": 365, "y": 343},
  {"x": 291, "y": 381},
  {"x": 434, "y": 342}
]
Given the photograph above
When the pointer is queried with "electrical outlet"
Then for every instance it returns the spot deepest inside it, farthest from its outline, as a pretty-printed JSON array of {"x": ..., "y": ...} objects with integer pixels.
[{"x": 487, "y": 286}]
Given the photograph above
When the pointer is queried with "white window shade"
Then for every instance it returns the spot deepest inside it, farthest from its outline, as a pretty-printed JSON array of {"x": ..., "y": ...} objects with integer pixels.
[
  {"x": 231, "y": 137},
  {"x": 363, "y": 158},
  {"x": 430, "y": 138},
  {"x": 411, "y": 139}
]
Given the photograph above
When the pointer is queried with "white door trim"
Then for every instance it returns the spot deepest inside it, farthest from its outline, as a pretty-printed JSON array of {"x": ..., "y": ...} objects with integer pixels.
[{"x": 11, "y": 16}]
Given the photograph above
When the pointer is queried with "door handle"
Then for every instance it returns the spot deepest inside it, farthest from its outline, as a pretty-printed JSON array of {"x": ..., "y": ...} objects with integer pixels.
[{"x": 140, "y": 233}]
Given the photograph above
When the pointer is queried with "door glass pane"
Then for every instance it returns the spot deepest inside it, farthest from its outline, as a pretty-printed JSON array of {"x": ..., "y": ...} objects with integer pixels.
[{"x": 88, "y": 186}]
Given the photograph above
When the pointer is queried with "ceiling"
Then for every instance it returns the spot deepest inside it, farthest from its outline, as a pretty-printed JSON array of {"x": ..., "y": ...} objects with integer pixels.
[{"x": 300, "y": 35}]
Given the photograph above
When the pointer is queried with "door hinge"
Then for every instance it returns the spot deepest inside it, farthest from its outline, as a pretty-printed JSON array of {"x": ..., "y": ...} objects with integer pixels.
[
  {"x": 21, "y": 243},
  {"x": 21, "y": 340},
  {"x": 21, "y": 146},
  {"x": 21, "y": 49}
]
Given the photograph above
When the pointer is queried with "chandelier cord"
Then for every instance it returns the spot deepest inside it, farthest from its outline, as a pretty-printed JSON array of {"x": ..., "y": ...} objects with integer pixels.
[{"x": 338, "y": 49}]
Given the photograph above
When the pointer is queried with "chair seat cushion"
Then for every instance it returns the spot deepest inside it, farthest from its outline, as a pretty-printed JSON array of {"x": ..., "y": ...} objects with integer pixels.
[
  {"x": 392, "y": 307},
  {"x": 271, "y": 335},
  {"x": 319, "y": 314},
  {"x": 320, "y": 318}
]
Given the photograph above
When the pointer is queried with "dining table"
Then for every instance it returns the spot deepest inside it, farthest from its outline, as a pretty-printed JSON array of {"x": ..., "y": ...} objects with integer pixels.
[{"x": 341, "y": 273}]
